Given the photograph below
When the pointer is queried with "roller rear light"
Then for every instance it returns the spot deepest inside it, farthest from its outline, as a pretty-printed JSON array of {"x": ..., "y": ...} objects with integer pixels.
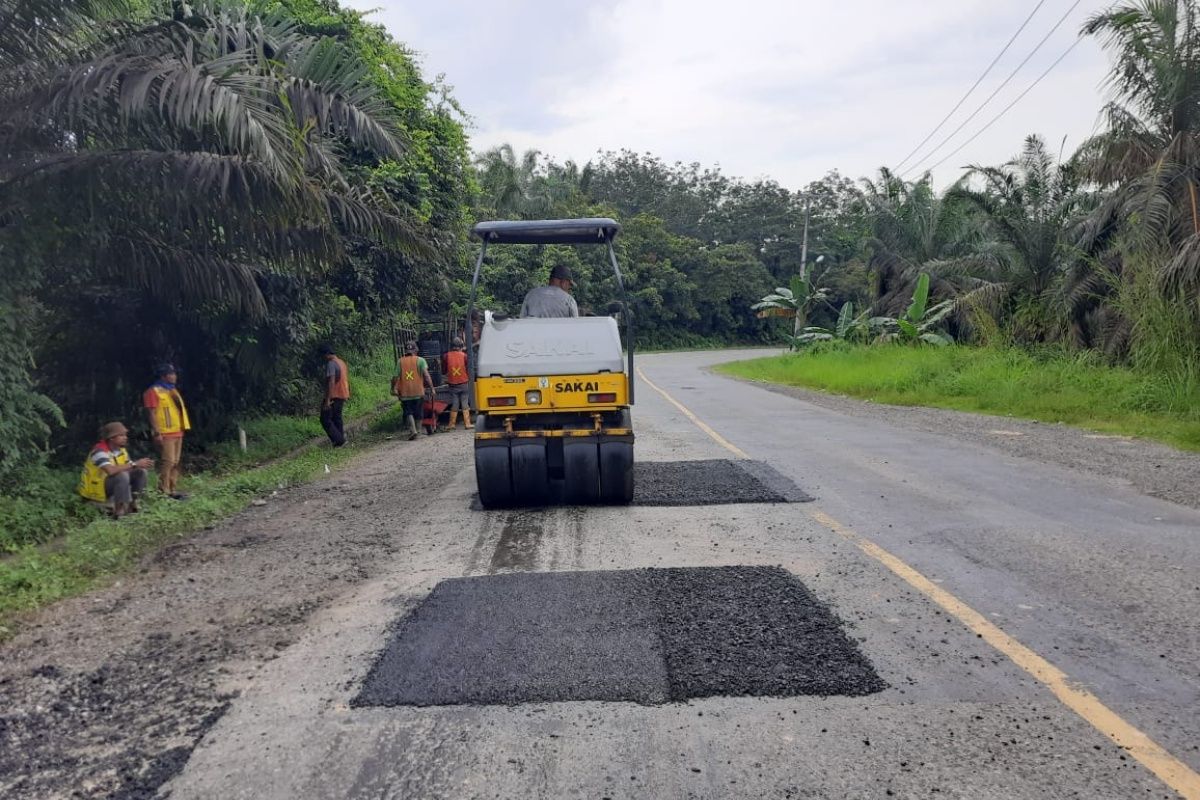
[
  {"x": 498, "y": 402},
  {"x": 604, "y": 397}
]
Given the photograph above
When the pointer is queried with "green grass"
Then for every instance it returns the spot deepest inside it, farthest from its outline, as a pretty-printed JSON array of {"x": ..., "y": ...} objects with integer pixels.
[
  {"x": 59, "y": 546},
  {"x": 1051, "y": 386}
]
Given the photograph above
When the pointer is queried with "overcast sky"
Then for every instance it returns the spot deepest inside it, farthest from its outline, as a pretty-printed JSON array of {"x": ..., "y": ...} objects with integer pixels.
[{"x": 787, "y": 89}]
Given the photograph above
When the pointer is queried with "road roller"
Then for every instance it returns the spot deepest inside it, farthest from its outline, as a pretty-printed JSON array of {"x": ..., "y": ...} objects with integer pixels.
[{"x": 552, "y": 395}]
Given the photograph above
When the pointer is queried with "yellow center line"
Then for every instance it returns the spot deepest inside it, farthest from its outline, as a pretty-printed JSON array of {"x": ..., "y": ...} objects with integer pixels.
[
  {"x": 718, "y": 438},
  {"x": 1169, "y": 769}
]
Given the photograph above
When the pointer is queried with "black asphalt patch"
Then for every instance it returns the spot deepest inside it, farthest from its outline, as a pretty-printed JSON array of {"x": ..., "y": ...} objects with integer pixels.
[
  {"x": 711, "y": 482},
  {"x": 646, "y": 636}
]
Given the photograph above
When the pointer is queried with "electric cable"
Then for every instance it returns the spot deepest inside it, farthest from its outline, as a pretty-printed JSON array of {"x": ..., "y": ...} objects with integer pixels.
[
  {"x": 997, "y": 91},
  {"x": 1007, "y": 108},
  {"x": 974, "y": 86}
]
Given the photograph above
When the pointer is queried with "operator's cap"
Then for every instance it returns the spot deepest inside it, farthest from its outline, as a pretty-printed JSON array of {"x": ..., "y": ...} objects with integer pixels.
[
  {"x": 165, "y": 368},
  {"x": 411, "y": 347},
  {"x": 111, "y": 429},
  {"x": 562, "y": 272}
]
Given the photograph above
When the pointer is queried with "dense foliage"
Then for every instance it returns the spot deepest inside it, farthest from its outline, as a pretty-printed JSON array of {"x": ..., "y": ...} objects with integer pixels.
[
  {"x": 220, "y": 184},
  {"x": 226, "y": 184}
]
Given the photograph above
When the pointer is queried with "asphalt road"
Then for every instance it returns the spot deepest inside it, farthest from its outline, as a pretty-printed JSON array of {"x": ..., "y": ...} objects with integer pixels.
[{"x": 1084, "y": 573}]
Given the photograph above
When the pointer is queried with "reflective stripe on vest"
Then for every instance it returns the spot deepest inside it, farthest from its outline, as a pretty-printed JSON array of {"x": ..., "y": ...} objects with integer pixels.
[
  {"x": 456, "y": 367},
  {"x": 411, "y": 383},
  {"x": 170, "y": 415},
  {"x": 91, "y": 480}
]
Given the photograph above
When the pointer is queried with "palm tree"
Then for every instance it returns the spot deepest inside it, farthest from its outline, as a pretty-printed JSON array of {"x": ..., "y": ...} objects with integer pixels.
[
  {"x": 523, "y": 187},
  {"x": 1150, "y": 153},
  {"x": 1029, "y": 205},
  {"x": 915, "y": 230},
  {"x": 186, "y": 155}
]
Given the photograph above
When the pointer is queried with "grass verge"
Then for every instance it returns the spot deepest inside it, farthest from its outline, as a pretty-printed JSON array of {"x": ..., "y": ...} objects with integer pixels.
[
  {"x": 1050, "y": 385},
  {"x": 87, "y": 549}
]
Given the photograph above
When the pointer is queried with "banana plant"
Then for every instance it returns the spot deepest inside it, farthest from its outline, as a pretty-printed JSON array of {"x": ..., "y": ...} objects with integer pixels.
[
  {"x": 847, "y": 328},
  {"x": 792, "y": 303},
  {"x": 919, "y": 322}
]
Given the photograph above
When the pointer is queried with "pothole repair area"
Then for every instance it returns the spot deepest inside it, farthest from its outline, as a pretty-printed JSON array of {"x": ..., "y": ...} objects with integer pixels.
[
  {"x": 649, "y": 636},
  {"x": 711, "y": 482}
]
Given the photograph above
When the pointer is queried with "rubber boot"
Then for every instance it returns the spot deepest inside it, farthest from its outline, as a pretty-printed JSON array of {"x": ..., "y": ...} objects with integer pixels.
[
  {"x": 467, "y": 419},
  {"x": 412, "y": 427},
  {"x": 453, "y": 421}
]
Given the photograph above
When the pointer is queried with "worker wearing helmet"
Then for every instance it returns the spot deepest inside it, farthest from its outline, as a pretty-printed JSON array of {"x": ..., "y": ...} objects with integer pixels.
[
  {"x": 553, "y": 299},
  {"x": 410, "y": 386},
  {"x": 455, "y": 368}
]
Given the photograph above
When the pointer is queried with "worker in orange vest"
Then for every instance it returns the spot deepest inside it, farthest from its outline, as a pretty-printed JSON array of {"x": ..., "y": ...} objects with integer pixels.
[
  {"x": 456, "y": 376},
  {"x": 409, "y": 385},
  {"x": 337, "y": 392}
]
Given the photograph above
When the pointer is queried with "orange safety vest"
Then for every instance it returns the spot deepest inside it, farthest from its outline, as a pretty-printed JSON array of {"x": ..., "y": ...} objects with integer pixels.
[
  {"x": 166, "y": 420},
  {"x": 409, "y": 382},
  {"x": 456, "y": 367},
  {"x": 341, "y": 387}
]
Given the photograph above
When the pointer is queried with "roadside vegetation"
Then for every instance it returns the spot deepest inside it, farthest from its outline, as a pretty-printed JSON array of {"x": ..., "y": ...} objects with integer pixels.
[
  {"x": 1047, "y": 384},
  {"x": 228, "y": 184}
]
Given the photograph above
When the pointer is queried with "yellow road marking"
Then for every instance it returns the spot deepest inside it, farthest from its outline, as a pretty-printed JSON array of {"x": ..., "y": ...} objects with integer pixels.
[
  {"x": 1169, "y": 769},
  {"x": 718, "y": 438}
]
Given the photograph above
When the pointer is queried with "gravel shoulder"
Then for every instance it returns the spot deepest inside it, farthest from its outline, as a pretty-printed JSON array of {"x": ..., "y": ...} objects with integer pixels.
[
  {"x": 107, "y": 694},
  {"x": 1152, "y": 468}
]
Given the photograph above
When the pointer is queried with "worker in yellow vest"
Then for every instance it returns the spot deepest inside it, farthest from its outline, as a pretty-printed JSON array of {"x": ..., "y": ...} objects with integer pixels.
[
  {"x": 337, "y": 392},
  {"x": 109, "y": 476},
  {"x": 455, "y": 368},
  {"x": 409, "y": 385},
  {"x": 168, "y": 418}
]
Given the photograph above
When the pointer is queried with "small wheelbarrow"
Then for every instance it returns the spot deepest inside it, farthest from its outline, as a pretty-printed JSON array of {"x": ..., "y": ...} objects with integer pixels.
[{"x": 432, "y": 414}]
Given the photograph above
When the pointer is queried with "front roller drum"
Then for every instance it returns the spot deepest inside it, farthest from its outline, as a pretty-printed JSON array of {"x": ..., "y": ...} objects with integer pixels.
[
  {"x": 616, "y": 472},
  {"x": 530, "y": 478},
  {"x": 493, "y": 475},
  {"x": 581, "y": 471}
]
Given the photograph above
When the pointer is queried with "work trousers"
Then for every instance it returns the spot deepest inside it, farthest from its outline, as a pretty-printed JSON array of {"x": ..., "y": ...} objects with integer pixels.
[
  {"x": 170, "y": 454},
  {"x": 414, "y": 407},
  {"x": 122, "y": 487},
  {"x": 331, "y": 421},
  {"x": 460, "y": 399}
]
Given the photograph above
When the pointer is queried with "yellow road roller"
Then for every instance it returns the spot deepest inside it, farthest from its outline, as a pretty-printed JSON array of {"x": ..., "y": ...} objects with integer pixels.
[{"x": 552, "y": 395}]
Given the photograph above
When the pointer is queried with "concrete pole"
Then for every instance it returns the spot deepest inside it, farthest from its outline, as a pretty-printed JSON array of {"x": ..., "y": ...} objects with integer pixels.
[{"x": 800, "y": 315}]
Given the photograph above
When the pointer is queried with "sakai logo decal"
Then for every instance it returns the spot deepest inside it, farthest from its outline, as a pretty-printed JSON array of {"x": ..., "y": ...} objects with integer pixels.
[
  {"x": 543, "y": 383},
  {"x": 549, "y": 348},
  {"x": 576, "y": 386}
]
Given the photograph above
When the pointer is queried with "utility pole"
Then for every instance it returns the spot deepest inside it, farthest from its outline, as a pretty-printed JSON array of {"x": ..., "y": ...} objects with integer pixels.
[{"x": 800, "y": 310}]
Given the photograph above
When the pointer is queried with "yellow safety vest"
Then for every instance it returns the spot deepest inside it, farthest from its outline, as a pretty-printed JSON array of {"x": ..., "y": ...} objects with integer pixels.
[
  {"x": 91, "y": 480},
  {"x": 166, "y": 420}
]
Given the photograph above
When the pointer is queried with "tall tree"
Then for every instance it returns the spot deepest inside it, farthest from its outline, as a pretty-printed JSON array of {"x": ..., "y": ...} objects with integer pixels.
[{"x": 1029, "y": 204}]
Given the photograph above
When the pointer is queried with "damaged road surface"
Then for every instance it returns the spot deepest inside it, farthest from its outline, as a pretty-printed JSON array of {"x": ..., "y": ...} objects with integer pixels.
[{"x": 373, "y": 635}]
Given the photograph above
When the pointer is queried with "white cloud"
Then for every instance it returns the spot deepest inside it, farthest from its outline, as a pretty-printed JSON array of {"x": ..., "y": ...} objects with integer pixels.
[{"x": 788, "y": 90}]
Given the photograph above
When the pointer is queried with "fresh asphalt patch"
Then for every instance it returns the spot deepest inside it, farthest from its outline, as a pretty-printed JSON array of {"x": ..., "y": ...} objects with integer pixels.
[
  {"x": 711, "y": 482},
  {"x": 648, "y": 636}
]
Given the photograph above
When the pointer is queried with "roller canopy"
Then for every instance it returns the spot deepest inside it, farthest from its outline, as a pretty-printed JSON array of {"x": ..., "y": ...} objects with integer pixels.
[{"x": 597, "y": 230}]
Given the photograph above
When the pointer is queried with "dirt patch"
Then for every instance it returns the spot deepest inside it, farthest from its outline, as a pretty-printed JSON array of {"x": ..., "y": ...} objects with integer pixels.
[{"x": 107, "y": 695}]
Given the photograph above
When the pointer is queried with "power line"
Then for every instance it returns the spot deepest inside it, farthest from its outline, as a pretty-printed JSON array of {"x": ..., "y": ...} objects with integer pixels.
[
  {"x": 1007, "y": 108},
  {"x": 974, "y": 86},
  {"x": 992, "y": 96}
]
